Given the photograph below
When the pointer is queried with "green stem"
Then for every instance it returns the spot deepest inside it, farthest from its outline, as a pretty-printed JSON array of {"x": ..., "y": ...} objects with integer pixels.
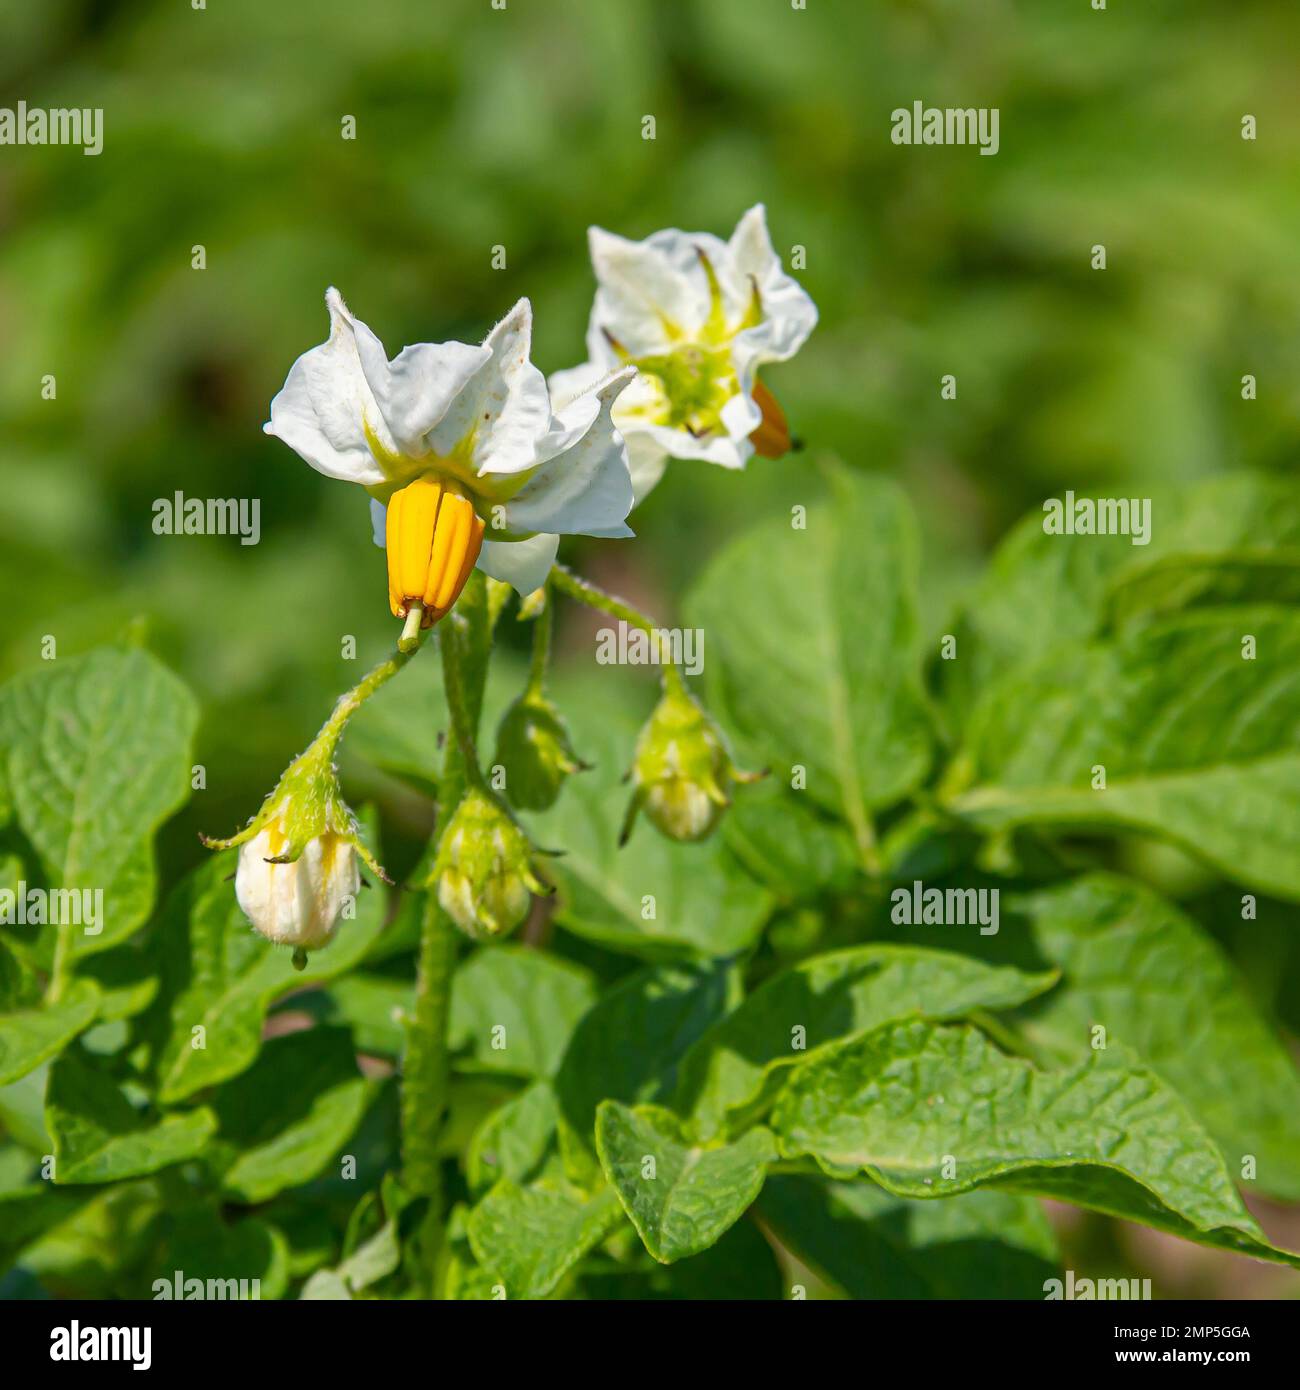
[
  {"x": 319, "y": 752},
  {"x": 463, "y": 726},
  {"x": 347, "y": 705},
  {"x": 426, "y": 1070},
  {"x": 543, "y": 627},
  {"x": 584, "y": 591}
]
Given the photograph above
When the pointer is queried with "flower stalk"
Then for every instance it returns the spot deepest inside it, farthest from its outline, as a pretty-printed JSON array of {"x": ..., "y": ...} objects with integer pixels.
[
  {"x": 466, "y": 642},
  {"x": 584, "y": 591}
]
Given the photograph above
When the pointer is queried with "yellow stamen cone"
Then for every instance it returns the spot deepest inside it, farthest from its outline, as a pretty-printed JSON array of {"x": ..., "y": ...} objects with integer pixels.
[{"x": 434, "y": 537}]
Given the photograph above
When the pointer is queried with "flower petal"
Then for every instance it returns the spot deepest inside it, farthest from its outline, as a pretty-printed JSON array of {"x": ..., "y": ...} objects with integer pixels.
[
  {"x": 326, "y": 404},
  {"x": 504, "y": 408},
  {"x": 646, "y": 461},
  {"x": 525, "y": 564},
  {"x": 726, "y": 450},
  {"x": 417, "y": 388},
  {"x": 583, "y": 487},
  {"x": 789, "y": 315},
  {"x": 648, "y": 292}
]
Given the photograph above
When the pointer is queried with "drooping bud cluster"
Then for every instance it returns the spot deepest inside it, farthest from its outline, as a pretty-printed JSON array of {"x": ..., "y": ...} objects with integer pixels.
[
  {"x": 683, "y": 771},
  {"x": 484, "y": 873}
]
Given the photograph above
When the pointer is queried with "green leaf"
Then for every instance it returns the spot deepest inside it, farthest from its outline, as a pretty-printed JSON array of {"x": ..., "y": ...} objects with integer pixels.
[
  {"x": 221, "y": 977},
  {"x": 1198, "y": 745},
  {"x": 1064, "y": 586},
  {"x": 96, "y": 751},
  {"x": 29, "y": 1206},
  {"x": 32, "y": 1036},
  {"x": 787, "y": 844},
  {"x": 529, "y": 1238},
  {"x": 1127, "y": 957},
  {"x": 932, "y": 1111},
  {"x": 100, "y": 1137},
  {"x": 127, "y": 980},
  {"x": 682, "y": 1201},
  {"x": 372, "y": 1248},
  {"x": 22, "y": 1110},
  {"x": 651, "y": 898},
  {"x": 515, "y": 1009},
  {"x": 727, "y": 1072},
  {"x": 873, "y": 1245},
  {"x": 741, "y": 1265},
  {"x": 245, "y": 1259},
  {"x": 103, "y": 1244},
  {"x": 289, "y": 1113},
  {"x": 371, "y": 1006},
  {"x": 514, "y": 1140},
  {"x": 813, "y": 653},
  {"x": 628, "y": 1046},
  {"x": 1237, "y": 579}
]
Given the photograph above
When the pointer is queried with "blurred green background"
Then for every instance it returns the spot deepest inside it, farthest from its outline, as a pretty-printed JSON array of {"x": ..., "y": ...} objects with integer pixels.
[{"x": 478, "y": 127}]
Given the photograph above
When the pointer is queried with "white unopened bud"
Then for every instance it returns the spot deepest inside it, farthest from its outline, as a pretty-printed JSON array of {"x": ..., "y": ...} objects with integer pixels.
[{"x": 299, "y": 903}]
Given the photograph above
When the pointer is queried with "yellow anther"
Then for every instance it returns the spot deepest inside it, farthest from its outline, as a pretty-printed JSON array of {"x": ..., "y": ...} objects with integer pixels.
[{"x": 434, "y": 537}]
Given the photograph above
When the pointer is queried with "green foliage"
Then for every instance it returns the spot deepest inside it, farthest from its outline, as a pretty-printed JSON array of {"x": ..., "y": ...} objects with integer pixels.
[
  {"x": 806, "y": 683},
  {"x": 744, "y": 1012},
  {"x": 680, "y": 1196},
  {"x": 910, "y": 1101},
  {"x": 1099, "y": 1048}
]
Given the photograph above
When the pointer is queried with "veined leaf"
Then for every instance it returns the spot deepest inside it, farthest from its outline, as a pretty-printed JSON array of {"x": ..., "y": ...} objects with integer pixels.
[
  {"x": 630, "y": 1043},
  {"x": 932, "y": 1111},
  {"x": 244, "y": 1259},
  {"x": 96, "y": 751},
  {"x": 515, "y": 1009},
  {"x": 680, "y": 1196},
  {"x": 285, "y": 1117},
  {"x": 1198, "y": 744},
  {"x": 514, "y": 1139},
  {"x": 1161, "y": 986},
  {"x": 787, "y": 843},
  {"x": 873, "y": 1245},
  {"x": 529, "y": 1238},
  {"x": 1061, "y": 587},
  {"x": 100, "y": 1137},
  {"x": 813, "y": 652},
  {"x": 825, "y": 998},
  {"x": 32, "y": 1036}
]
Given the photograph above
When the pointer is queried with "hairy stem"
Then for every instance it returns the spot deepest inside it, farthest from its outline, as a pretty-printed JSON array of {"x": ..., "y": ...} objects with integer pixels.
[
  {"x": 543, "y": 627},
  {"x": 584, "y": 591},
  {"x": 425, "y": 1067}
]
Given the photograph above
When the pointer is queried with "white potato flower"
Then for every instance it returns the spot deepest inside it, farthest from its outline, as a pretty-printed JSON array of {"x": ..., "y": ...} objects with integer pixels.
[
  {"x": 461, "y": 452},
  {"x": 698, "y": 317}
]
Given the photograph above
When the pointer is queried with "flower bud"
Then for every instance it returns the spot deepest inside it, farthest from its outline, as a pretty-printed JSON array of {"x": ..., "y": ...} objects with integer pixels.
[
  {"x": 483, "y": 873},
  {"x": 300, "y": 857},
  {"x": 296, "y": 903},
  {"x": 533, "y": 747},
  {"x": 683, "y": 772}
]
